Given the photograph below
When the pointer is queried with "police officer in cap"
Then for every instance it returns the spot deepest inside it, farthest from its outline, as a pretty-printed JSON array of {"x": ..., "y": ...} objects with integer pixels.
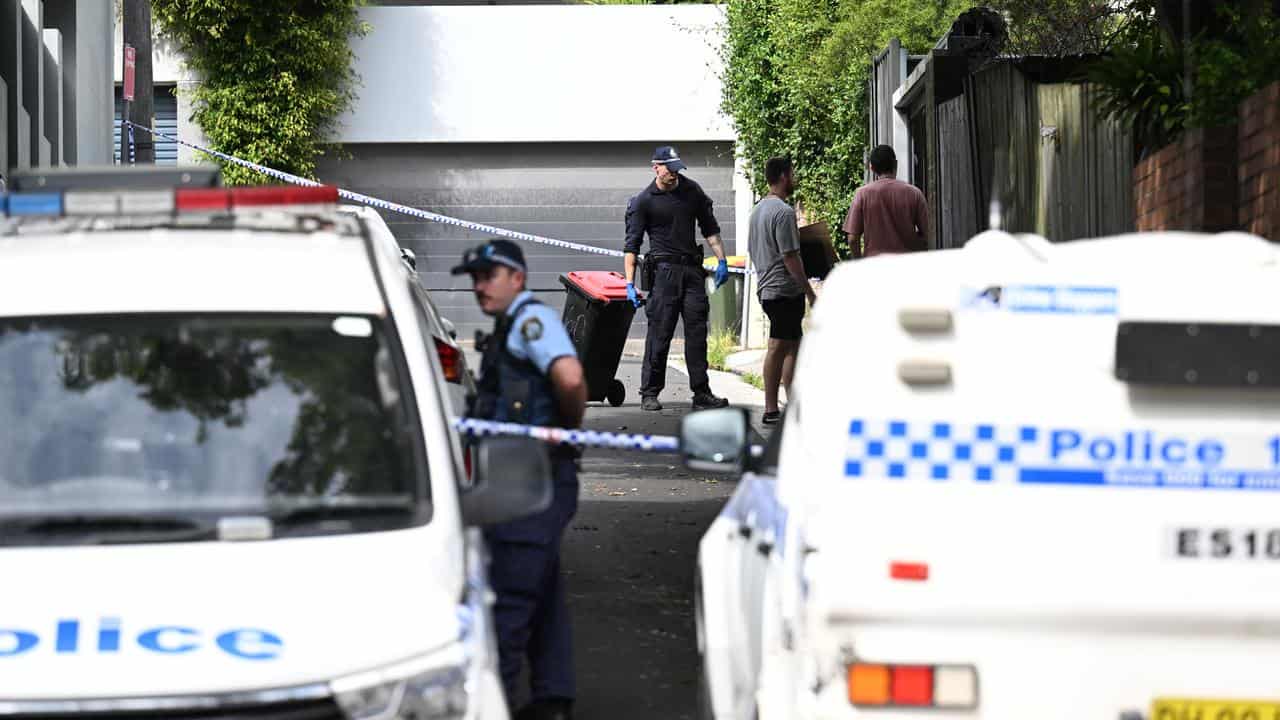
[
  {"x": 667, "y": 211},
  {"x": 530, "y": 374}
]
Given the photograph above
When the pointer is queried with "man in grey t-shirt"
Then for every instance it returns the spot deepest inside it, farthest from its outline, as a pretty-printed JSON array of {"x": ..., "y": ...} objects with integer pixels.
[{"x": 774, "y": 243}]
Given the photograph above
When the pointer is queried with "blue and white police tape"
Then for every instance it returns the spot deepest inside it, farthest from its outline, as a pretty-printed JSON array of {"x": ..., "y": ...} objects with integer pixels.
[
  {"x": 390, "y": 206},
  {"x": 561, "y": 436}
]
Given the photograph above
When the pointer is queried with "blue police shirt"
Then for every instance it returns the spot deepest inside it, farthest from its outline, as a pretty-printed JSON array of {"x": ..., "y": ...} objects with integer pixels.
[{"x": 538, "y": 335}]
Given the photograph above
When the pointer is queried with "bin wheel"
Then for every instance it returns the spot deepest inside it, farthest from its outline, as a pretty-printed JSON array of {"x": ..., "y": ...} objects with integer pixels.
[{"x": 617, "y": 393}]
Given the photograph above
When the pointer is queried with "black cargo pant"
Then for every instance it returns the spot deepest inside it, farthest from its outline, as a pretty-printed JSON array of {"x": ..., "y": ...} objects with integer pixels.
[{"x": 678, "y": 291}]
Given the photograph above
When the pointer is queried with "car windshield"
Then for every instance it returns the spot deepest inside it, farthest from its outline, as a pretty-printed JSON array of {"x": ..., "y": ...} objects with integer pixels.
[{"x": 191, "y": 415}]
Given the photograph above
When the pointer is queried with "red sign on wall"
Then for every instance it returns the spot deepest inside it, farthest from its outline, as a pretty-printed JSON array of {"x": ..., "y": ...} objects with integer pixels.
[{"x": 130, "y": 63}]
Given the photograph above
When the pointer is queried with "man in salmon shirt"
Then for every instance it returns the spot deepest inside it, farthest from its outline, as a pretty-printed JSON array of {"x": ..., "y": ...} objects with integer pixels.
[{"x": 890, "y": 213}]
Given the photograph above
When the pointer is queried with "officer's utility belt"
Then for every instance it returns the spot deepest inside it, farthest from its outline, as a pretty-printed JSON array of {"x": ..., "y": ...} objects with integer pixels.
[
  {"x": 651, "y": 262},
  {"x": 675, "y": 260}
]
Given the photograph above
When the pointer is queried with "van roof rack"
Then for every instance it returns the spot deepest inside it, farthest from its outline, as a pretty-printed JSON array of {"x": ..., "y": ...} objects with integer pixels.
[{"x": 115, "y": 178}]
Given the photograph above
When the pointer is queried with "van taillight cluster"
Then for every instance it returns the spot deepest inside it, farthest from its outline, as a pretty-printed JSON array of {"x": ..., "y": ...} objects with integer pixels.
[
  {"x": 450, "y": 361},
  {"x": 945, "y": 687}
]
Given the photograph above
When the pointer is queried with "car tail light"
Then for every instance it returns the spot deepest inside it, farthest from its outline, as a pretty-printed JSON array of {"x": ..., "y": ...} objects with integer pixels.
[
  {"x": 945, "y": 687},
  {"x": 909, "y": 571},
  {"x": 911, "y": 686},
  {"x": 450, "y": 361}
]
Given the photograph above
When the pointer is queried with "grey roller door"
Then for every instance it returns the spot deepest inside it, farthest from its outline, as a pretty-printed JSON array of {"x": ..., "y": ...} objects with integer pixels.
[
  {"x": 575, "y": 192},
  {"x": 165, "y": 106}
]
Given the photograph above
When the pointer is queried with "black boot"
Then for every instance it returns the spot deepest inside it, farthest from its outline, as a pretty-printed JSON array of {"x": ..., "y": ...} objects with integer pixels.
[
  {"x": 706, "y": 401},
  {"x": 549, "y": 709}
]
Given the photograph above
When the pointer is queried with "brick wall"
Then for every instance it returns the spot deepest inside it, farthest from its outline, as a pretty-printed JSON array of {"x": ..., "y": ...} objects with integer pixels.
[
  {"x": 1189, "y": 185},
  {"x": 1217, "y": 179},
  {"x": 1259, "y": 172}
]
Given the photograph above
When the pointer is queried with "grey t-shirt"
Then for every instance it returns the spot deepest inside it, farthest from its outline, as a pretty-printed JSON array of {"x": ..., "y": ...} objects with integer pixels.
[{"x": 772, "y": 232}]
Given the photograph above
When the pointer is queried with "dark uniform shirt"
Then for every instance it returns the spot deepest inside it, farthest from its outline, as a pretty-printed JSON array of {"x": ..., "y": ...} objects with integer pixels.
[{"x": 668, "y": 216}]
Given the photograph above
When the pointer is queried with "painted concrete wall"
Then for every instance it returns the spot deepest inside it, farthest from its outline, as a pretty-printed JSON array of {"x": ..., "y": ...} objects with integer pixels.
[
  {"x": 94, "y": 101},
  {"x": 32, "y": 78},
  {"x": 55, "y": 70},
  {"x": 538, "y": 73},
  {"x": 11, "y": 75},
  {"x": 53, "y": 96},
  {"x": 4, "y": 126}
]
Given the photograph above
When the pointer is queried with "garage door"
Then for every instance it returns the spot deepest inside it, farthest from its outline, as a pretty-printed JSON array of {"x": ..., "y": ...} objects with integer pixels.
[
  {"x": 575, "y": 192},
  {"x": 165, "y": 108}
]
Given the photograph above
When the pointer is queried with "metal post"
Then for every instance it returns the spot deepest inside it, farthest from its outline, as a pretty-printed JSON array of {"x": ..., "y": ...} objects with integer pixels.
[
  {"x": 124, "y": 130},
  {"x": 137, "y": 32}
]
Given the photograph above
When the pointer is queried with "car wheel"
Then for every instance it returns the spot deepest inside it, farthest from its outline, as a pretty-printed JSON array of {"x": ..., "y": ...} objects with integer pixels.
[{"x": 617, "y": 393}]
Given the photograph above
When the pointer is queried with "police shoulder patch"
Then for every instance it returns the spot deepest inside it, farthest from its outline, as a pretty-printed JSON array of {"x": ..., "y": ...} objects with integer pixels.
[{"x": 531, "y": 329}]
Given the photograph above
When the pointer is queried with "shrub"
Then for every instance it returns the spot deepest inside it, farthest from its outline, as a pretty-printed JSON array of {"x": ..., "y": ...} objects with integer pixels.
[{"x": 274, "y": 74}]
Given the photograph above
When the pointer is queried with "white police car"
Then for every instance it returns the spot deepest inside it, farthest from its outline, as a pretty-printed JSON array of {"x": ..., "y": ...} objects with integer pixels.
[
  {"x": 229, "y": 486},
  {"x": 444, "y": 336},
  {"x": 1017, "y": 480}
]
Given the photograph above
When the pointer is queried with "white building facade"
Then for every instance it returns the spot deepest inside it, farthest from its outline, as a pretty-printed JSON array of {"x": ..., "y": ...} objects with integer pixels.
[{"x": 55, "y": 83}]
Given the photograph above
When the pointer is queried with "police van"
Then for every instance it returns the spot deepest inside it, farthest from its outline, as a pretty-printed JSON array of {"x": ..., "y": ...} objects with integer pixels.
[
  {"x": 229, "y": 484},
  {"x": 1016, "y": 481}
]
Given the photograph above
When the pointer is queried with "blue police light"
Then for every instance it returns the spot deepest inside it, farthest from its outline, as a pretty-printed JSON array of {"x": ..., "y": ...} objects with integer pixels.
[{"x": 28, "y": 204}]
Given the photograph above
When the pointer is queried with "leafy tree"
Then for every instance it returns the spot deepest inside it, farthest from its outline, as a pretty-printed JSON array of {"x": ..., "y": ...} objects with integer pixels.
[
  {"x": 1141, "y": 81},
  {"x": 796, "y": 72},
  {"x": 1071, "y": 27},
  {"x": 275, "y": 74},
  {"x": 795, "y": 83}
]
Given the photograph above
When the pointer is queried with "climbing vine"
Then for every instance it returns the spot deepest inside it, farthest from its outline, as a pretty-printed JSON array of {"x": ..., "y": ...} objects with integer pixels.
[
  {"x": 795, "y": 83},
  {"x": 274, "y": 75}
]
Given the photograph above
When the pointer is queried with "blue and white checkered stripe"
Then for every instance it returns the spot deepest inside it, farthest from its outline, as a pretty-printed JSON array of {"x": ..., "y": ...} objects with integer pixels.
[
  {"x": 916, "y": 450},
  {"x": 393, "y": 207},
  {"x": 561, "y": 436}
]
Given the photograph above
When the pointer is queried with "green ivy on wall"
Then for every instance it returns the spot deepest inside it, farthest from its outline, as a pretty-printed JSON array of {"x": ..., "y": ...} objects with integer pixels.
[
  {"x": 275, "y": 74},
  {"x": 795, "y": 83}
]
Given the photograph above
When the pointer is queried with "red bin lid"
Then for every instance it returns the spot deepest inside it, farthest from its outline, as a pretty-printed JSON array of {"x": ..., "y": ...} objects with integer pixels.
[{"x": 600, "y": 285}]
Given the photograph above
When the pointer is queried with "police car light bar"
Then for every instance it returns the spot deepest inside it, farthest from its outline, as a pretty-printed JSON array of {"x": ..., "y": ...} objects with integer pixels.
[
  {"x": 72, "y": 203},
  {"x": 34, "y": 204}
]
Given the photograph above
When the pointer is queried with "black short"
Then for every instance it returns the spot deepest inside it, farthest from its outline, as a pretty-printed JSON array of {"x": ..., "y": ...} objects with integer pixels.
[{"x": 785, "y": 316}]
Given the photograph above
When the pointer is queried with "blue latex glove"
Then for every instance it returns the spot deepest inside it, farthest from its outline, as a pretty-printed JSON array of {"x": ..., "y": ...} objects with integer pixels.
[
  {"x": 722, "y": 273},
  {"x": 632, "y": 295}
]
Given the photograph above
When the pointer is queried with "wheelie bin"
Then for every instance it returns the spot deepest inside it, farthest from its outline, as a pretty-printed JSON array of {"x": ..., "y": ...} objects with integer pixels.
[
  {"x": 598, "y": 316},
  {"x": 726, "y": 301}
]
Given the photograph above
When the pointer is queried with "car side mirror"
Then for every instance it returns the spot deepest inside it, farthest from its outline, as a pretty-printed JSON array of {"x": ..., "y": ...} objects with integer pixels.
[
  {"x": 409, "y": 257},
  {"x": 511, "y": 480},
  {"x": 715, "y": 440},
  {"x": 449, "y": 327}
]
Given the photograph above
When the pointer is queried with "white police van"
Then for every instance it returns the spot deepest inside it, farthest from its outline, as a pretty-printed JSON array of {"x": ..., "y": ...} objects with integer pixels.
[
  {"x": 1017, "y": 480},
  {"x": 229, "y": 486}
]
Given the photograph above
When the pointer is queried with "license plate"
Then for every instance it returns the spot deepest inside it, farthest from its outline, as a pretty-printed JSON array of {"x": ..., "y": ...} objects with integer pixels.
[{"x": 1187, "y": 709}]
